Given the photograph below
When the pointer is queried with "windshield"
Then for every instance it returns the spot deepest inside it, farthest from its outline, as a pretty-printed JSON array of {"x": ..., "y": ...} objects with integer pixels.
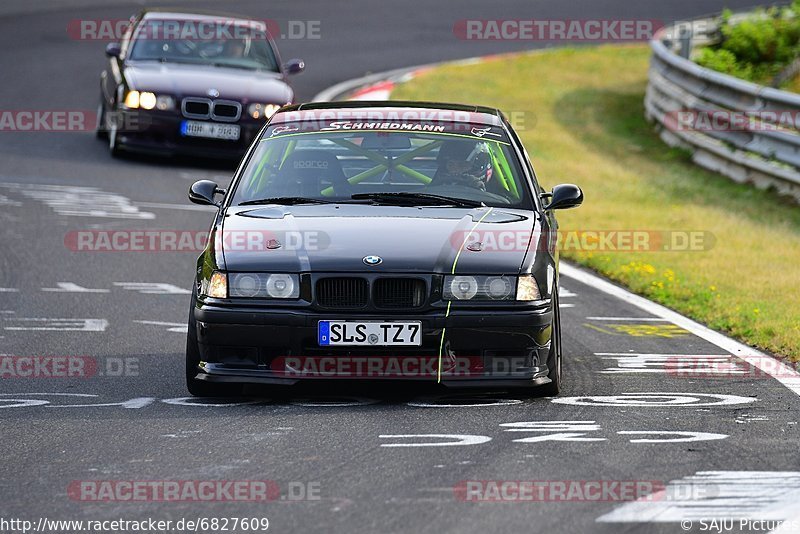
[
  {"x": 248, "y": 49},
  {"x": 337, "y": 160}
]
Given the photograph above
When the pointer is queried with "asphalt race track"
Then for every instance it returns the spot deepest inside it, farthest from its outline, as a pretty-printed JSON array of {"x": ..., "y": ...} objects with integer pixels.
[{"x": 344, "y": 459}]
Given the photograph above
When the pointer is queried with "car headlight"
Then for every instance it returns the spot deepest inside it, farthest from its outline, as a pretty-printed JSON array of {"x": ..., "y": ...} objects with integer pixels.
[
  {"x": 262, "y": 111},
  {"x": 148, "y": 100},
  {"x": 528, "y": 289},
  {"x": 464, "y": 287},
  {"x": 132, "y": 100},
  {"x": 218, "y": 285},
  {"x": 165, "y": 102},
  {"x": 265, "y": 286}
]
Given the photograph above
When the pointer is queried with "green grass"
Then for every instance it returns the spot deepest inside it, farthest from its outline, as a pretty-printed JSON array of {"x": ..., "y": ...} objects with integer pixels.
[{"x": 589, "y": 129}]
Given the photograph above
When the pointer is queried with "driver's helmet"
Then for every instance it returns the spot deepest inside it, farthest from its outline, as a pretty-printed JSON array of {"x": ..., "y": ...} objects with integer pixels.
[{"x": 465, "y": 157}]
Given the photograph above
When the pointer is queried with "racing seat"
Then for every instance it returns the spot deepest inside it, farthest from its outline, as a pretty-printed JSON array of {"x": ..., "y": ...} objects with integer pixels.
[{"x": 306, "y": 173}]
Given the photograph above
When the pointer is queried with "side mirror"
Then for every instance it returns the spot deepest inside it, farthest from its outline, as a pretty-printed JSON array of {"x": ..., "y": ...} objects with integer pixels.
[
  {"x": 294, "y": 66},
  {"x": 564, "y": 196},
  {"x": 113, "y": 50},
  {"x": 203, "y": 191}
]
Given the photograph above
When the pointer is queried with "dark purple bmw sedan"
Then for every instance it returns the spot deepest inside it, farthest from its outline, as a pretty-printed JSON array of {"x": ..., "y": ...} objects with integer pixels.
[{"x": 189, "y": 83}]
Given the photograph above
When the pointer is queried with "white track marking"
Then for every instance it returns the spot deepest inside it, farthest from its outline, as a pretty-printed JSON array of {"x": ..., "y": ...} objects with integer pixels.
[
  {"x": 81, "y": 201},
  {"x": 559, "y": 436},
  {"x": 550, "y": 426},
  {"x": 452, "y": 403},
  {"x": 59, "y": 325},
  {"x": 662, "y": 355},
  {"x": 563, "y": 305},
  {"x": 747, "y": 418},
  {"x": 8, "y": 290},
  {"x": 206, "y": 402},
  {"x": 21, "y": 403},
  {"x": 651, "y": 399},
  {"x": 333, "y": 403},
  {"x": 769, "y": 365},
  {"x": 133, "y": 404},
  {"x": 792, "y": 524},
  {"x": 707, "y": 495},
  {"x": 554, "y": 430},
  {"x": 52, "y": 394},
  {"x": 182, "y": 328},
  {"x": 682, "y": 437},
  {"x": 563, "y": 292},
  {"x": 642, "y": 319},
  {"x": 5, "y": 201},
  {"x": 69, "y": 287},
  {"x": 674, "y": 364},
  {"x": 153, "y": 288},
  {"x": 460, "y": 439}
]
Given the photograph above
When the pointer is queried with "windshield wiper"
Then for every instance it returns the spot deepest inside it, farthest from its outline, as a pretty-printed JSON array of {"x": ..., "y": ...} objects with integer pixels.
[
  {"x": 405, "y": 197},
  {"x": 286, "y": 201},
  {"x": 182, "y": 61},
  {"x": 234, "y": 65}
]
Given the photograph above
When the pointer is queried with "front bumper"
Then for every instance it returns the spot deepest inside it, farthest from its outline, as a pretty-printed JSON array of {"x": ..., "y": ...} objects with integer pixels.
[
  {"x": 158, "y": 132},
  {"x": 480, "y": 347}
]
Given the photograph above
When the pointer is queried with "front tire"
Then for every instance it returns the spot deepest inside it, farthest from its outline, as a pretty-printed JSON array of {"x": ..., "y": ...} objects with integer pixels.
[
  {"x": 101, "y": 129},
  {"x": 113, "y": 144},
  {"x": 554, "y": 357}
]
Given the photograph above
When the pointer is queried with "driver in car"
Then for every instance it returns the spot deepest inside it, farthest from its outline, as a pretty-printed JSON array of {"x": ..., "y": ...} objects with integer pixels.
[
  {"x": 462, "y": 162},
  {"x": 234, "y": 49}
]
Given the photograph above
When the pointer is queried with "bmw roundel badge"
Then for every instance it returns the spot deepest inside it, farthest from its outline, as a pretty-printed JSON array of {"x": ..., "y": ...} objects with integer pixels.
[{"x": 372, "y": 260}]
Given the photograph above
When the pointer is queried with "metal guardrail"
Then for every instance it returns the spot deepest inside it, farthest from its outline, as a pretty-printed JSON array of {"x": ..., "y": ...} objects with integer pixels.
[{"x": 742, "y": 130}]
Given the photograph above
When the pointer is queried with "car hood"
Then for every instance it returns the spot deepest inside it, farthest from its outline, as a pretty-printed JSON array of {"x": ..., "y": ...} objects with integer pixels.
[
  {"x": 328, "y": 238},
  {"x": 196, "y": 80}
]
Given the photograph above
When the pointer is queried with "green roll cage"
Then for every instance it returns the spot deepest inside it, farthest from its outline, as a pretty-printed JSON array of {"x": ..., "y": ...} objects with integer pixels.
[{"x": 274, "y": 158}]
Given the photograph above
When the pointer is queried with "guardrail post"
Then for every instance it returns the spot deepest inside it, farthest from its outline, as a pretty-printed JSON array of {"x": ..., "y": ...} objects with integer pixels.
[{"x": 685, "y": 40}]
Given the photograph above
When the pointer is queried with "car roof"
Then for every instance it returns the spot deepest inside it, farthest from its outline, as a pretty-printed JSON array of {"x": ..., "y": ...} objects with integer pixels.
[{"x": 375, "y": 110}]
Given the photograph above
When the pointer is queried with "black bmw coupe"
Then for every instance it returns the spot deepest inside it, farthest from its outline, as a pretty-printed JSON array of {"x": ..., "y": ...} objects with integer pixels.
[{"x": 380, "y": 241}]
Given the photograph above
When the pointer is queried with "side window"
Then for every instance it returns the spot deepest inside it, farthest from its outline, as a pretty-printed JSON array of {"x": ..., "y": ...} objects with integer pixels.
[{"x": 526, "y": 157}]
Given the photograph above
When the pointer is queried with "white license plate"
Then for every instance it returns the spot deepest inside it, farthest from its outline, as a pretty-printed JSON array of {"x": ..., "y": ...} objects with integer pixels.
[
  {"x": 210, "y": 130},
  {"x": 369, "y": 333}
]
